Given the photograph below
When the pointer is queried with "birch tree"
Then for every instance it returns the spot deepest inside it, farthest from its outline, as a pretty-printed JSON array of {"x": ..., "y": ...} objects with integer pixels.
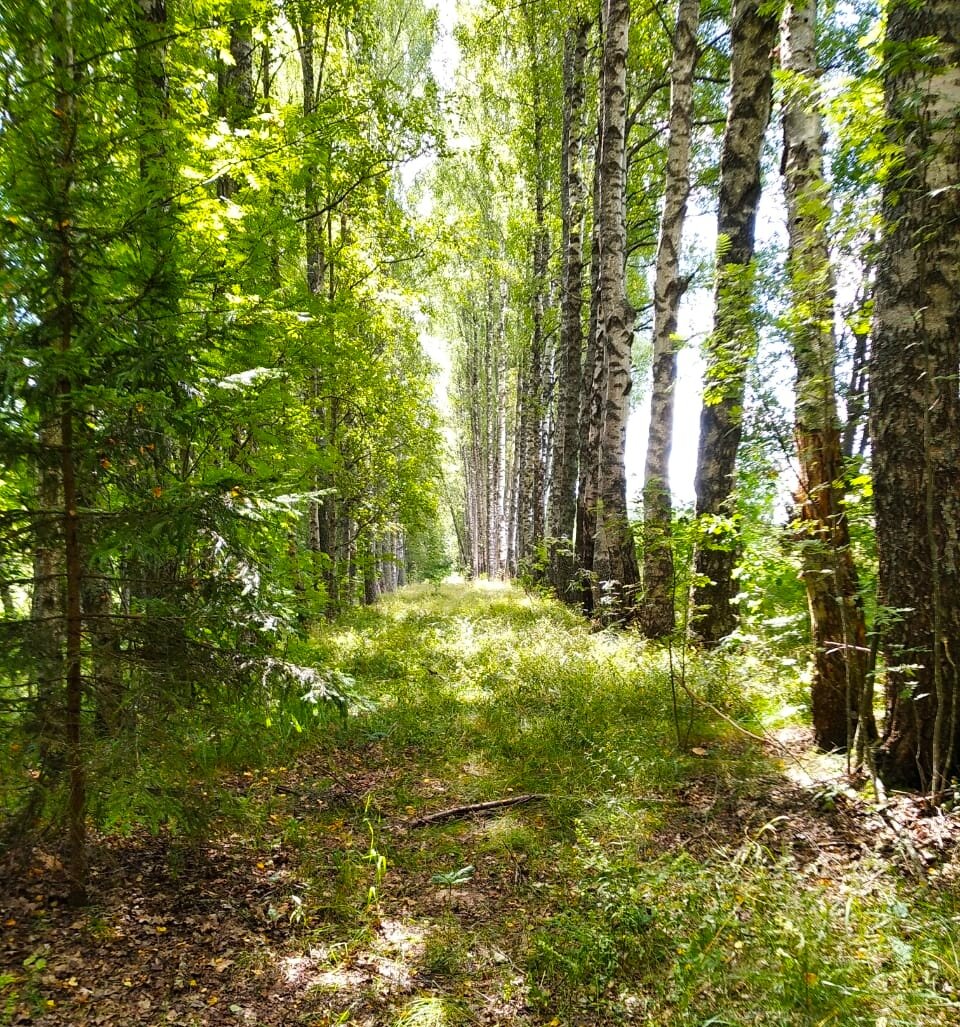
[
  {"x": 657, "y": 614},
  {"x": 615, "y": 568},
  {"x": 562, "y": 512},
  {"x": 915, "y": 400},
  {"x": 732, "y": 342},
  {"x": 829, "y": 574}
]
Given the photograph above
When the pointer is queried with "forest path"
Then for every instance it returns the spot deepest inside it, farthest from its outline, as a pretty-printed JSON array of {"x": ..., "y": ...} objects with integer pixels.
[{"x": 655, "y": 882}]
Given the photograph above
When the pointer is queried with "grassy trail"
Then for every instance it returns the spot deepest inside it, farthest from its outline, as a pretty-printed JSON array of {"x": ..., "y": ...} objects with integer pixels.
[{"x": 674, "y": 874}]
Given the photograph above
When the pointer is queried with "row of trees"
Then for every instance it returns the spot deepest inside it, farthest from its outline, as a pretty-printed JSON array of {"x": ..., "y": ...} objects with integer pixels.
[
  {"x": 217, "y": 420},
  {"x": 560, "y": 278}
]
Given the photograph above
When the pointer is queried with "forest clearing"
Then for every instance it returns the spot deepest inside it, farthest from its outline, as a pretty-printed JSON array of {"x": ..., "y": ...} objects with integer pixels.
[{"x": 705, "y": 878}]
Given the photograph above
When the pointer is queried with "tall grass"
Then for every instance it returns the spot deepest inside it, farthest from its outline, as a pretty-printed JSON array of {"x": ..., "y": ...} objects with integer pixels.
[{"x": 494, "y": 692}]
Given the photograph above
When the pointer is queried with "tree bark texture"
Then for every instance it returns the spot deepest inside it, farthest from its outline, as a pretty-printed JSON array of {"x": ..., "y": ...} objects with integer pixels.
[
  {"x": 732, "y": 343},
  {"x": 563, "y": 477},
  {"x": 615, "y": 567},
  {"x": 237, "y": 93},
  {"x": 65, "y": 271},
  {"x": 837, "y": 622},
  {"x": 657, "y": 616},
  {"x": 915, "y": 404},
  {"x": 591, "y": 416},
  {"x": 533, "y": 415}
]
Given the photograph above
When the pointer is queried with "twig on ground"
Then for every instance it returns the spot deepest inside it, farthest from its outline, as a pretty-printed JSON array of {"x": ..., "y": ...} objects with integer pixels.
[{"x": 457, "y": 812}]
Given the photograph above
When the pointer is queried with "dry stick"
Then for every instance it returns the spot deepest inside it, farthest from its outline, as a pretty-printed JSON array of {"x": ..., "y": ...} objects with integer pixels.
[
  {"x": 476, "y": 807},
  {"x": 764, "y": 738}
]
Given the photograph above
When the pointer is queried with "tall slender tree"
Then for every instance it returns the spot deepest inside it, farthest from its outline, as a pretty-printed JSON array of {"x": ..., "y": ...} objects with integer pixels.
[
  {"x": 732, "y": 343},
  {"x": 563, "y": 479},
  {"x": 829, "y": 574},
  {"x": 915, "y": 399},
  {"x": 657, "y": 614},
  {"x": 615, "y": 569}
]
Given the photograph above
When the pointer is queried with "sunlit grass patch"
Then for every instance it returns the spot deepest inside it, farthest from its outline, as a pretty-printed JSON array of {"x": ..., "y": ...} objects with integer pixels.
[
  {"x": 432, "y": 1011},
  {"x": 643, "y": 888},
  {"x": 670, "y": 939}
]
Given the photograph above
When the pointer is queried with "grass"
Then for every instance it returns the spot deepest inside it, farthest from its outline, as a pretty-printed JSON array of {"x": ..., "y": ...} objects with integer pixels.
[
  {"x": 674, "y": 875},
  {"x": 628, "y": 902}
]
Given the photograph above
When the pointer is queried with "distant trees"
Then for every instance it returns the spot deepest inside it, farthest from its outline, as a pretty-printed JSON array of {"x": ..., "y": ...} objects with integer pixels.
[{"x": 571, "y": 383}]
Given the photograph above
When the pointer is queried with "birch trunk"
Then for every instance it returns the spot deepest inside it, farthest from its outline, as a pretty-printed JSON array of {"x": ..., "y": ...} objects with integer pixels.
[
  {"x": 915, "y": 401},
  {"x": 591, "y": 416},
  {"x": 657, "y": 616},
  {"x": 491, "y": 438},
  {"x": 503, "y": 501},
  {"x": 732, "y": 343},
  {"x": 563, "y": 478},
  {"x": 615, "y": 559},
  {"x": 830, "y": 577}
]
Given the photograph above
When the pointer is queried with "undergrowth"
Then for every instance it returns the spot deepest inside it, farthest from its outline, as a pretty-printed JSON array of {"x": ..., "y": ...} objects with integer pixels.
[
  {"x": 627, "y": 917},
  {"x": 663, "y": 871}
]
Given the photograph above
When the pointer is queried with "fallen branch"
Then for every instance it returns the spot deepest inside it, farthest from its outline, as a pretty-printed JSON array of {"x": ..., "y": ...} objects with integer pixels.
[{"x": 458, "y": 812}]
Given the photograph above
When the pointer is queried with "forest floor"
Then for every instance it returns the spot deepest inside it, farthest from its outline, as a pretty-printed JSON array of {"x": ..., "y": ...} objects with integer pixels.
[{"x": 669, "y": 863}]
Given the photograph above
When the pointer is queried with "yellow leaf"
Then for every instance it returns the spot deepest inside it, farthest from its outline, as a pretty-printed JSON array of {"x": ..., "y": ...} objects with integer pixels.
[{"x": 810, "y": 979}]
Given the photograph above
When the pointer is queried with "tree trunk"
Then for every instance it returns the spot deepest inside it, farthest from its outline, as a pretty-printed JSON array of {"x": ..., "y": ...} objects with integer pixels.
[
  {"x": 371, "y": 579},
  {"x": 915, "y": 408},
  {"x": 563, "y": 478},
  {"x": 539, "y": 357},
  {"x": 615, "y": 558},
  {"x": 657, "y": 615},
  {"x": 236, "y": 89},
  {"x": 591, "y": 416},
  {"x": 503, "y": 500},
  {"x": 515, "y": 475},
  {"x": 836, "y": 613},
  {"x": 733, "y": 341},
  {"x": 65, "y": 320},
  {"x": 46, "y": 609}
]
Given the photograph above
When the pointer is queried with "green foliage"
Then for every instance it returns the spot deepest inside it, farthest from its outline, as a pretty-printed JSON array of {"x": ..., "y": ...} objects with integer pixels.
[
  {"x": 690, "y": 941},
  {"x": 157, "y": 307}
]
